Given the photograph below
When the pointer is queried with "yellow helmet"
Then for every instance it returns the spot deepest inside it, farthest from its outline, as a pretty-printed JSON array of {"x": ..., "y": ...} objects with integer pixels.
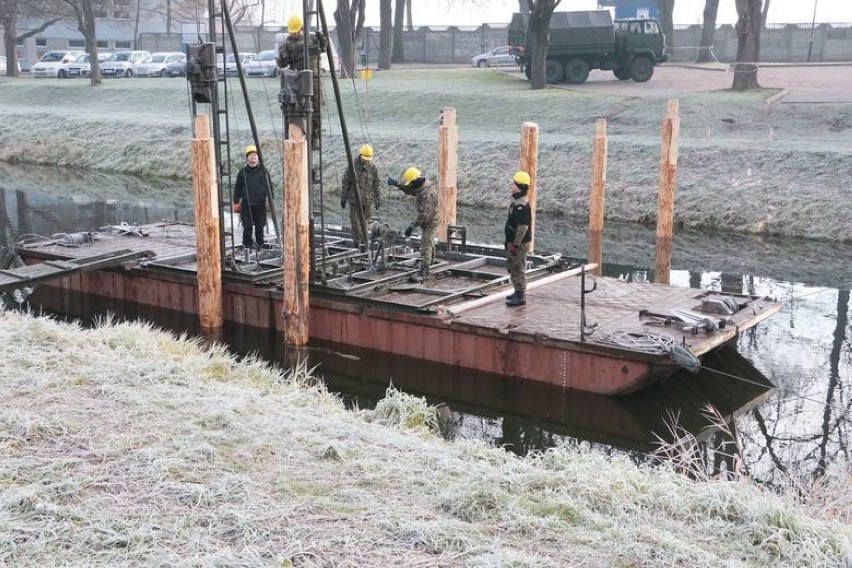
[
  {"x": 251, "y": 149},
  {"x": 366, "y": 152},
  {"x": 294, "y": 24},
  {"x": 410, "y": 175},
  {"x": 521, "y": 178}
]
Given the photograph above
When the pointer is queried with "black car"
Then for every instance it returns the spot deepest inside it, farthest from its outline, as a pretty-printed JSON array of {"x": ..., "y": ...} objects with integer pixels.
[{"x": 176, "y": 69}]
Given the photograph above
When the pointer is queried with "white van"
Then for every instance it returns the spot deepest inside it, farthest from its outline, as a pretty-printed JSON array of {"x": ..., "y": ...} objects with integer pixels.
[{"x": 52, "y": 61}]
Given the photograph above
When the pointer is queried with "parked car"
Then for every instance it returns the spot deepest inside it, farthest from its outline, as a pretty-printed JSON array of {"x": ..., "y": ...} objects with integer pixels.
[
  {"x": 3, "y": 64},
  {"x": 494, "y": 58},
  {"x": 51, "y": 63},
  {"x": 231, "y": 63},
  {"x": 264, "y": 65},
  {"x": 82, "y": 66},
  {"x": 155, "y": 66},
  {"x": 122, "y": 64},
  {"x": 176, "y": 68}
]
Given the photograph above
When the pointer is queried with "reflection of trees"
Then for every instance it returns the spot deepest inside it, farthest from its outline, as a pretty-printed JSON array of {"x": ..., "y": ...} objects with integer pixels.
[{"x": 808, "y": 453}]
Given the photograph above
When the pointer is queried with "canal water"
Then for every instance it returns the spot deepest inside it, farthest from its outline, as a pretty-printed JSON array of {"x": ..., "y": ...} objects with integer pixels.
[{"x": 799, "y": 427}]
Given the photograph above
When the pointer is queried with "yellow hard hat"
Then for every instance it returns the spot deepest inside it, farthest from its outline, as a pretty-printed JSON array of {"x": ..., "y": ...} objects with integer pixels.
[
  {"x": 521, "y": 178},
  {"x": 251, "y": 149},
  {"x": 410, "y": 175},
  {"x": 366, "y": 152},
  {"x": 294, "y": 24}
]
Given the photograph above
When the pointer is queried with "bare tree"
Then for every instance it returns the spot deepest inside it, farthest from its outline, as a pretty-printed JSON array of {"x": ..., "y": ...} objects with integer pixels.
[
  {"x": 765, "y": 13},
  {"x": 538, "y": 36},
  {"x": 749, "y": 17},
  {"x": 708, "y": 31},
  {"x": 350, "y": 23},
  {"x": 10, "y": 12},
  {"x": 83, "y": 12},
  {"x": 666, "y": 19},
  {"x": 398, "y": 53},
  {"x": 408, "y": 17},
  {"x": 194, "y": 10},
  {"x": 385, "y": 33}
]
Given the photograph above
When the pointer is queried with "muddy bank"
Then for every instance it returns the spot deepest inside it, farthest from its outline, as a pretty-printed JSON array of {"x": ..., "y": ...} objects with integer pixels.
[{"x": 744, "y": 166}]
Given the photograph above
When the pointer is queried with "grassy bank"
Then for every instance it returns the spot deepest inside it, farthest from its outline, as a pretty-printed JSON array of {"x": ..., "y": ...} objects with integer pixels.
[
  {"x": 123, "y": 446},
  {"x": 744, "y": 166}
]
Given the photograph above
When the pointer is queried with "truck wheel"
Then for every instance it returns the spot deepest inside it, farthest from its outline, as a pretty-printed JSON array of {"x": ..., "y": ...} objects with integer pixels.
[
  {"x": 641, "y": 69},
  {"x": 621, "y": 74},
  {"x": 576, "y": 71},
  {"x": 553, "y": 71}
]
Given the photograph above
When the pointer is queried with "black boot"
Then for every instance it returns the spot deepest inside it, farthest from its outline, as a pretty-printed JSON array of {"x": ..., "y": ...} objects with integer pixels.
[
  {"x": 518, "y": 300},
  {"x": 421, "y": 275},
  {"x": 511, "y": 296}
]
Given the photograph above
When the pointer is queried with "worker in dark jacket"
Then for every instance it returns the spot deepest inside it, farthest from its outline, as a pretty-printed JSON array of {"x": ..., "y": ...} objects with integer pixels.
[
  {"x": 367, "y": 177},
  {"x": 517, "y": 238},
  {"x": 251, "y": 192},
  {"x": 426, "y": 197}
]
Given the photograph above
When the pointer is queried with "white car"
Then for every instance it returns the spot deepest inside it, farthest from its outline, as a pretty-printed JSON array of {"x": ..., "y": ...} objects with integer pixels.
[
  {"x": 231, "y": 65},
  {"x": 52, "y": 63},
  {"x": 155, "y": 66},
  {"x": 121, "y": 65},
  {"x": 264, "y": 65},
  {"x": 82, "y": 67}
]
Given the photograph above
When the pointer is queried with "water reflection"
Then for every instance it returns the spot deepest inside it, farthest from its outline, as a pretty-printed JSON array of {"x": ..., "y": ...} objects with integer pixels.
[{"x": 801, "y": 428}]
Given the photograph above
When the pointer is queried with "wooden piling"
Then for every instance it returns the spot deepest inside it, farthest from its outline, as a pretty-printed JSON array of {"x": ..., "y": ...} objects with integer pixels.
[
  {"x": 207, "y": 227},
  {"x": 529, "y": 164},
  {"x": 296, "y": 244},
  {"x": 665, "y": 203},
  {"x": 596, "y": 200},
  {"x": 448, "y": 145}
]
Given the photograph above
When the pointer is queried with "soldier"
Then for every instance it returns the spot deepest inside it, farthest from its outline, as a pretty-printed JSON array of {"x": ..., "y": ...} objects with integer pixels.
[
  {"x": 367, "y": 177},
  {"x": 291, "y": 60},
  {"x": 518, "y": 236},
  {"x": 413, "y": 183},
  {"x": 251, "y": 192}
]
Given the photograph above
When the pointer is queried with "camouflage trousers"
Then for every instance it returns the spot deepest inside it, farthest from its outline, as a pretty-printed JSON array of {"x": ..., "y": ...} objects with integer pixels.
[
  {"x": 516, "y": 264},
  {"x": 427, "y": 244}
]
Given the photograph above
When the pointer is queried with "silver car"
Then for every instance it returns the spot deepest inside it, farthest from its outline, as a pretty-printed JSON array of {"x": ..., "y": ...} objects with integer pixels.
[
  {"x": 264, "y": 65},
  {"x": 122, "y": 64},
  {"x": 155, "y": 66},
  {"x": 494, "y": 58}
]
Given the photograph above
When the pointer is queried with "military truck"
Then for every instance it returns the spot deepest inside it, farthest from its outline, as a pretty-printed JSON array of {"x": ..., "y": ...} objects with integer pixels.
[{"x": 584, "y": 40}]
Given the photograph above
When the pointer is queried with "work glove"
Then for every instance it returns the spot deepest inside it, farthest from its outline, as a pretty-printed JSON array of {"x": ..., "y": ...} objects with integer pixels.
[
  {"x": 513, "y": 249},
  {"x": 343, "y": 204},
  {"x": 238, "y": 207},
  {"x": 393, "y": 182},
  {"x": 408, "y": 230}
]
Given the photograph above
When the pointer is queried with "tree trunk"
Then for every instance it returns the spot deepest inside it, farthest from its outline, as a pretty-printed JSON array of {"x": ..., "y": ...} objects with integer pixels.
[
  {"x": 765, "y": 13},
  {"x": 350, "y": 22},
  {"x": 538, "y": 38},
  {"x": 666, "y": 20},
  {"x": 748, "y": 44},
  {"x": 87, "y": 28},
  {"x": 408, "y": 15},
  {"x": 708, "y": 31},
  {"x": 9, "y": 21},
  {"x": 398, "y": 53},
  {"x": 385, "y": 33}
]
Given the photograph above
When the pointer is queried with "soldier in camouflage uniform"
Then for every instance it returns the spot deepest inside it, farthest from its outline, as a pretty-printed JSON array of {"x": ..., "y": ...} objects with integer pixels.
[
  {"x": 413, "y": 183},
  {"x": 367, "y": 177},
  {"x": 291, "y": 55},
  {"x": 518, "y": 236}
]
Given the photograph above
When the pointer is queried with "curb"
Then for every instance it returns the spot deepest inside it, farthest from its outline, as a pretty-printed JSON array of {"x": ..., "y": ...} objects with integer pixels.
[{"x": 776, "y": 97}]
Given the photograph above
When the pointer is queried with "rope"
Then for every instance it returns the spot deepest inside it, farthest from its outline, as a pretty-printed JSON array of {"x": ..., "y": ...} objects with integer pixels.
[{"x": 642, "y": 341}]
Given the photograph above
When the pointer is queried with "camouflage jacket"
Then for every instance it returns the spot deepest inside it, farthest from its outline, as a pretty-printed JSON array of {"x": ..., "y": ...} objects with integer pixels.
[
  {"x": 427, "y": 205},
  {"x": 291, "y": 53},
  {"x": 367, "y": 176}
]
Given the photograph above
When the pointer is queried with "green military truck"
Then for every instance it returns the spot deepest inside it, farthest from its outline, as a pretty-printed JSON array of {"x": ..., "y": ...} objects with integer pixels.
[{"x": 584, "y": 40}]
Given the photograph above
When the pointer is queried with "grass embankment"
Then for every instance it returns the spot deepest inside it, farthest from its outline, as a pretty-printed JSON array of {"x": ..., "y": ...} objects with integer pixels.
[
  {"x": 744, "y": 166},
  {"x": 124, "y": 446}
]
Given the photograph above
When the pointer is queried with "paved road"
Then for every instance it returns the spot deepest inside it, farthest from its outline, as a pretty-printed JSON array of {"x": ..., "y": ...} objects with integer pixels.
[{"x": 805, "y": 83}]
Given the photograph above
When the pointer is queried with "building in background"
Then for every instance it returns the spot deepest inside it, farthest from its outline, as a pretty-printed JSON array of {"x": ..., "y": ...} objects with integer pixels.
[{"x": 632, "y": 8}]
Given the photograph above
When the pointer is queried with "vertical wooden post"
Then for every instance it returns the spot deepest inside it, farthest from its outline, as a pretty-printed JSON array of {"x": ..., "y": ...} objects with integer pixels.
[
  {"x": 448, "y": 162},
  {"x": 296, "y": 245},
  {"x": 665, "y": 203},
  {"x": 596, "y": 200},
  {"x": 529, "y": 164},
  {"x": 207, "y": 226}
]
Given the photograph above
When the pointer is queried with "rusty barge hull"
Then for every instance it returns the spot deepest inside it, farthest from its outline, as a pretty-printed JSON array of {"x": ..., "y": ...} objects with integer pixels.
[{"x": 539, "y": 342}]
